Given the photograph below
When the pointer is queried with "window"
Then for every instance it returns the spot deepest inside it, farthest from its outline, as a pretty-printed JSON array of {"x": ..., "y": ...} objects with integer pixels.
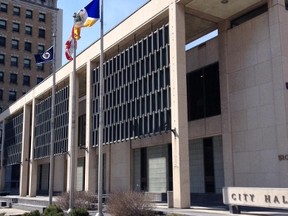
[
  {"x": 16, "y": 11},
  {"x": 41, "y": 49},
  {"x": 42, "y": 17},
  {"x": 12, "y": 95},
  {"x": 3, "y": 7},
  {"x": 13, "y": 78},
  {"x": 29, "y": 14},
  {"x": 3, "y": 24},
  {"x": 28, "y": 46},
  {"x": 40, "y": 67},
  {"x": 27, "y": 63},
  {"x": 1, "y": 94},
  {"x": 2, "y": 59},
  {"x": 1, "y": 76},
  {"x": 14, "y": 61},
  {"x": 203, "y": 90},
  {"x": 15, "y": 44},
  {"x": 41, "y": 33},
  {"x": 39, "y": 79},
  {"x": 15, "y": 27},
  {"x": 3, "y": 41},
  {"x": 26, "y": 80},
  {"x": 28, "y": 30}
]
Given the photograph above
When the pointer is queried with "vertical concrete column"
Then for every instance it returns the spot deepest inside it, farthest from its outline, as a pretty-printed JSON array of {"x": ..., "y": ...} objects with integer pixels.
[
  {"x": 72, "y": 133},
  {"x": 25, "y": 151},
  {"x": 179, "y": 119},
  {"x": 278, "y": 30},
  {"x": 225, "y": 107},
  {"x": 2, "y": 171},
  {"x": 90, "y": 155},
  {"x": 33, "y": 163}
]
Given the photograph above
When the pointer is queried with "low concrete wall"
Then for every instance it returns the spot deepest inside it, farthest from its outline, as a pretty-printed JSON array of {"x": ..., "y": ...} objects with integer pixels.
[{"x": 257, "y": 197}]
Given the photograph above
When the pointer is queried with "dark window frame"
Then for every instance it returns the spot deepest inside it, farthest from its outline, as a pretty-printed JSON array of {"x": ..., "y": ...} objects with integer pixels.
[
  {"x": 28, "y": 30},
  {"x": 4, "y": 8},
  {"x": 14, "y": 63},
  {"x": 16, "y": 13},
  {"x": 27, "y": 15},
  {"x": 27, "y": 63},
  {"x": 26, "y": 80},
  {"x": 2, "y": 41},
  {"x": 2, "y": 60},
  {"x": 1, "y": 76},
  {"x": 28, "y": 46},
  {"x": 12, "y": 95},
  {"x": 41, "y": 33},
  {"x": 13, "y": 78},
  {"x": 15, "y": 46},
  {"x": 40, "y": 18},
  {"x": 15, "y": 27},
  {"x": 4, "y": 26},
  {"x": 1, "y": 94}
]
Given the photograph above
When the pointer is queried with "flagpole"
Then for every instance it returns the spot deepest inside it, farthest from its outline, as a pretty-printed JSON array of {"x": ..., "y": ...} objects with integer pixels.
[
  {"x": 52, "y": 125},
  {"x": 101, "y": 126},
  {"x": 72, "y": 133}
]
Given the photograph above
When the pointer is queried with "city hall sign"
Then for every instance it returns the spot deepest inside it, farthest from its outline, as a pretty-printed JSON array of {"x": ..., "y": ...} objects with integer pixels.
[{"x": 258, "y": 197}]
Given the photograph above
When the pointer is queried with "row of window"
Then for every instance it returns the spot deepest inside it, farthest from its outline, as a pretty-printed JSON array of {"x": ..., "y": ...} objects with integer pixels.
[
  {"x": 14, "y": 79},
  {"x": 16, "y": 28},
  {"x": 17, "y": 12},
  {"x": 14, "y": 62},
  {"x": 13, "y": 140},
  {"x": 15, "y": 45}
]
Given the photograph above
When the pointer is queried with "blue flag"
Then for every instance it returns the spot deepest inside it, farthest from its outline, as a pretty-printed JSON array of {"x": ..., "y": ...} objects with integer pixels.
[{"x": 45, "y": 57}]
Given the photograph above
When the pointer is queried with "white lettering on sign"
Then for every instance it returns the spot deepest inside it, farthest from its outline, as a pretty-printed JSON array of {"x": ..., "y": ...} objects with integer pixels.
[{"x": 261, "y": 197}]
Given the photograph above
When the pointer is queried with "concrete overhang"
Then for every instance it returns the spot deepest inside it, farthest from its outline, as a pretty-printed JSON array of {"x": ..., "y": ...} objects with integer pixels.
[{"x": 203, "y": 16}]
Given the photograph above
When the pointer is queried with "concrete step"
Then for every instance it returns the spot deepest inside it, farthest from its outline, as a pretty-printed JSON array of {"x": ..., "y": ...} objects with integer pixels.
[{"x": 29, "y": 207}]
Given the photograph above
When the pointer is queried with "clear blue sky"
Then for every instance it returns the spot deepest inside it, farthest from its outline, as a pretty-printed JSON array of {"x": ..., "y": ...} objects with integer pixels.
[{"x": 114, "y": 12}]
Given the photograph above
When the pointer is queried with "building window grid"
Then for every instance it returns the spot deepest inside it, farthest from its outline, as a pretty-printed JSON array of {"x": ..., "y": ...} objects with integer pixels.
[
  {"x": 130, "y": 85},
  {"x": 13, "y": 140},
  {"x": 42, "y": 124}
]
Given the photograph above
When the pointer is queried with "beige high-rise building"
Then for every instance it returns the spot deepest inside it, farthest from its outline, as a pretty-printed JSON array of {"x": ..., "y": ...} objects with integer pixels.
[{"x": 26, "y": 29}]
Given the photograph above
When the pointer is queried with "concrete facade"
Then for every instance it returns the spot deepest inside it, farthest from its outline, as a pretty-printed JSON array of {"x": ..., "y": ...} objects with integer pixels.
[{"x": 243, "y": 145}]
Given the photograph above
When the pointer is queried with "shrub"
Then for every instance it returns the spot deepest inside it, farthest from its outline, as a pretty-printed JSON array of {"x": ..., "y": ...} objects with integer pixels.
[
  {"x": 53, "y": 210},
  {"x": 82, "y": 199},
  {"x": 79, "y": 212},
  {"x": 129, "y": 204},
  {"x": 33, "y": 213}
]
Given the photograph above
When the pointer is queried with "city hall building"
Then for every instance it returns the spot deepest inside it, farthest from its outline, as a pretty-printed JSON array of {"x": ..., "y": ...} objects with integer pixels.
[{"x": 191, "y": 121}]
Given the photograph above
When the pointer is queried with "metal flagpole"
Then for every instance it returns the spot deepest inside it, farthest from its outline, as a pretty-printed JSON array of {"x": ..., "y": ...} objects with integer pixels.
[
  {"x": 52, "y": 125},
  {"x": 72, "y": 145},
  {"x": 101, "y": 126}
]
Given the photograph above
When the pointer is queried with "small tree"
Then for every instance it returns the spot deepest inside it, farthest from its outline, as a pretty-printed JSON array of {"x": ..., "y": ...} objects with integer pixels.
[{"x": 129, "y": 203}]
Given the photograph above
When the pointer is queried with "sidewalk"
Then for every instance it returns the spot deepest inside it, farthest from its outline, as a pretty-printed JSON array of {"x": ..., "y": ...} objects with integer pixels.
[{"x": 192, "y": 211}]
